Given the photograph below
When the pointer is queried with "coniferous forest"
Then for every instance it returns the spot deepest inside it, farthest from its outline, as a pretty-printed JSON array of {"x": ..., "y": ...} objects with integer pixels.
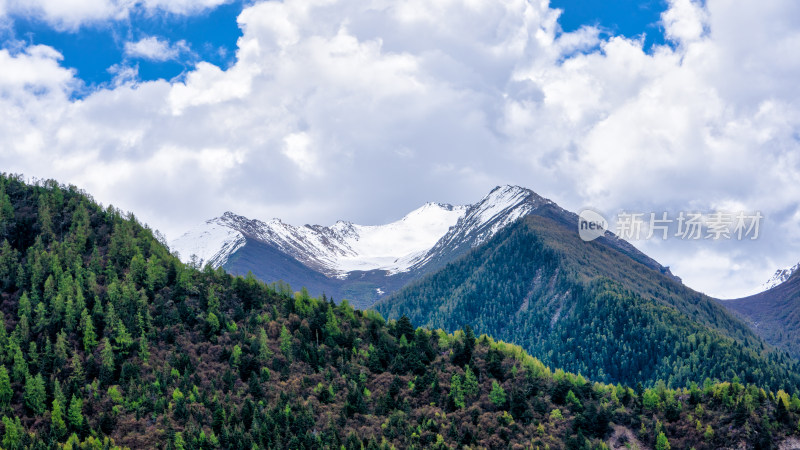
[
  {"x": 576, "y": 306},
  {"x": 109, "y": 341}
]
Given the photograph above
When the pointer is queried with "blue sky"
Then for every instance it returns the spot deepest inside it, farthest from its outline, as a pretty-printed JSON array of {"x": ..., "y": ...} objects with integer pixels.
[
  {"x": 95, "y": 47},
  {"x": 363, "y": 110}
]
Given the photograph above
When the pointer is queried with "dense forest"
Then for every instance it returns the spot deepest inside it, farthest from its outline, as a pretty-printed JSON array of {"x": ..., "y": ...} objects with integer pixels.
[
  {"x": 586, "y": 308},
  {"x": 108, "y": 341}
]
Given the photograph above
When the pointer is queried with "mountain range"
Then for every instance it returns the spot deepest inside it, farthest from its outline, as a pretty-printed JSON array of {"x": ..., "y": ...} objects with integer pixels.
[
  {"x": 513, "y": 266},
  {"x": 365, "y": 263}
]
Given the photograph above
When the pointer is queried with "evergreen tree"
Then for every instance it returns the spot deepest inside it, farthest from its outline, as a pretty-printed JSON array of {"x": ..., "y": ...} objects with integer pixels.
[
  {"x": 57, "y": 423},
  {"x": 107, "y": 359},
  {"x": 75, "y": 413},
  {"x": 20, "y": 368},
  {"x": 12, "y": 439},
  {"x": 662, "y": 443},
  {"x": 497, "y": 395},
  {"x": 456, "y": 392},
  {"x": 5, "y": 387},
  {"x": 471, "y": 388},
  {"x": 35, "y": 396},
  {"x": 286, "y": 342},
  {"x": 264, "y": 353}
]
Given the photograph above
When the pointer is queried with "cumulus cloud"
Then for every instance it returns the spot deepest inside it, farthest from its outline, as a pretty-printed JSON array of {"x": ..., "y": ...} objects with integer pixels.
[
  {"x": 364, "y": 110},
  {"x": 156, "y": 49}
]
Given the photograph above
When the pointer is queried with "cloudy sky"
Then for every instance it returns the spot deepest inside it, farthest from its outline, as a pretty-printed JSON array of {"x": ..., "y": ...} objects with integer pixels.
[{"x": 318, "y": 110}]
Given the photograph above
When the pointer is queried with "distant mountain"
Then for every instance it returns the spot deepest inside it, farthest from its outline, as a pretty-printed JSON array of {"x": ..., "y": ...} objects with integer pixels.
[
  {"x": 357, "y": 262},
  {"x": 775, "y": 313},
  {"x": 779, "y": 277},
  {"x": 599, "y": 308}
]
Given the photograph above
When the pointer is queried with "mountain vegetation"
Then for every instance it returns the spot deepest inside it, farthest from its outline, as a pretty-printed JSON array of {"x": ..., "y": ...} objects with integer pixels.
[
  {"x": 774, "y": 314},
  {"x": 590, "y": 309},
  {"x": 108, "y": 341}
]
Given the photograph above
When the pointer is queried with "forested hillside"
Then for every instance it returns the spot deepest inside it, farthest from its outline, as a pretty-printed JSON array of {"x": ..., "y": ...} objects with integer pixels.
[
  {"x": 774, "y": 314},
  {"x": 107, "y": 340},
  {"x": 590, "y": 309}
]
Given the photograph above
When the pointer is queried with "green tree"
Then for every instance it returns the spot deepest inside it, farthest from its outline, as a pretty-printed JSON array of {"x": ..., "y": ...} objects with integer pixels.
[
  {"x": 20, "y": 368},
  {"x": 107, "y": 359},
  {"x": 87, "y": 328},
  {"x": 12, "y": 439},
  {"x": 40, "y": 317},
  {"x": 332, "y": 328},
  {"x": 264, "y": 353},
  {"x": 5, "y": 387},
  {"x": 236, "y": 355},
  {"x": 709, "y": 433},
  {"x": 471, "y": 388},
  {"x": 662, "y": 443},
  {"x": 75, "y": 414},
  {"x": 212, "y": 324},
  {"x": 57, "y": 423},
  {"x": 286, "y": 342},
  {"x": 179, "y": 443},
  {"x": 498, "y": 394},
  {"x": 122, "y": 338},
  {"x": 35, "y": 395},
  {"x": 456, "y": 391},
  {"x": 144, "y": 348}
]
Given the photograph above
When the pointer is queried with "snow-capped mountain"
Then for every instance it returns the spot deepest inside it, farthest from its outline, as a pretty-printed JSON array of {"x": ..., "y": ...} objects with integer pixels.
[
  {"x": 500, "y": 208},
  {"x": 333, "y": 251},
  {"x": 359, "y": 261},
  {"x": 346, "y": 247},
  {"x": 780, "y": 276}
]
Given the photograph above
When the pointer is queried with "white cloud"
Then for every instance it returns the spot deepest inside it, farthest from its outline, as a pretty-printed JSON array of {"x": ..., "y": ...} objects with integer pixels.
[
  {"x": 364, "y": 110},
  {"x": 71, "y": 14},
  {"x": 156, "y": 49}
]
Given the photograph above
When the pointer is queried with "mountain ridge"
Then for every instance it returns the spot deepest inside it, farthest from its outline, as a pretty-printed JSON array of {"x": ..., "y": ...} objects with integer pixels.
[
  {"x": 597, "y": 308},
  {"x": 365, "y": 263}
]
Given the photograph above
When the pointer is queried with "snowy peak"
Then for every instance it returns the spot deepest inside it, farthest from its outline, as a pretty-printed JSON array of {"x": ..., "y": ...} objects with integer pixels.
[
  {"x": 498, "y": 209},
  {"x": 210, "y": 243},
  {"x": 334, "y": 251},
  {"x": 432, "y": 232},
  {"x": 501, "y": 207},
  {"x": 780, "y": 276}
]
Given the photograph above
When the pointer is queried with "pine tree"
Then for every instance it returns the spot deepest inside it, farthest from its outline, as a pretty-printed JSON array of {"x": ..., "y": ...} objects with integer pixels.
[
  {"x": 456, "y": 391},
  {"x": 61, "y": 350},
  {"x": 57, "y": 424},
  {"x": 662, "y": 443},
  {"x": 122, "y": 338},
  {"x": 5, "y": 387},
  {"x": 498, "y": 394},
  {"x": 34, "y": 395},
  {"x": 144, "y": 348},
  {"x": 75, "y": 414},
  {"x": 12, "y": 439},
  {"x": 20, "y": 368},
  {"x": 471, "y": 388},
  {"x": 107, "y": 359},
  {"x": 286, "y": 342},
  {"x": 264, "y": 353},
  {"x": 404, "y": 327}
]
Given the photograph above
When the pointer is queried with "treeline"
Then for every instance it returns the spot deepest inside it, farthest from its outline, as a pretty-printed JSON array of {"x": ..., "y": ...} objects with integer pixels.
[{"x": 109, "y": 341}]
